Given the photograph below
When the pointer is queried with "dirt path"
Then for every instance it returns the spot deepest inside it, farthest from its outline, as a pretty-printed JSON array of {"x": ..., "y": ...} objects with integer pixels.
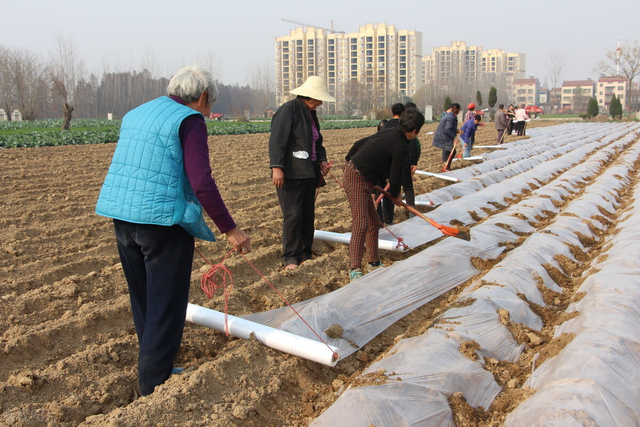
[{"x": 67, "y": 342}]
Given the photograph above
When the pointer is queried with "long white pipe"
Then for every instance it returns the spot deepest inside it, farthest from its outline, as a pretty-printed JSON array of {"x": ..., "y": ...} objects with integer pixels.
[
  {"x": 471, "y": 158},
  {"x": 329, "y": 236},
  {"x": 271, "y": 337},
  {"x": 488, "y": 146},
  {"x": 438, "y": 175}
]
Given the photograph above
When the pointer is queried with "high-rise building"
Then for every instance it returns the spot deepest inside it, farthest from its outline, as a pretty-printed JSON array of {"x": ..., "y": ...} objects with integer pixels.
[
  {"x": 364, "y": 71},
  {"x": 470, "y": 64}
]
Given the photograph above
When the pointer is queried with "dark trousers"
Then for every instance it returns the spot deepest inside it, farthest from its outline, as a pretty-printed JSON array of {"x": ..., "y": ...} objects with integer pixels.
[
  {"x": 297, "y": 202},
  {"x": 156, "y": 261},
  {"x": 447, "y": 157},
  {"x": 521, "y": 127},
  {"x": 500, "y": 136}
]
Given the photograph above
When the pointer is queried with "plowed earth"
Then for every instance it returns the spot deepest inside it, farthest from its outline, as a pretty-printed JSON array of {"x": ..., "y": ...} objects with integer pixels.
[{"x": 68, "y": 348}]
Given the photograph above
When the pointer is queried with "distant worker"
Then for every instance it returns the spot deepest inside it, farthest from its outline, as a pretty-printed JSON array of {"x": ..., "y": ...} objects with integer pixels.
[
  {"x": 501, "y": 123},
  {"x": 445, "y": 135},
  {"x": 298, "y": 162},
  {"x": 155, "y": 190},
  {"x": 471, "y": 112},
  {"x": 511, "y": 119},
  {"x": 371, "y": 160},
  {"x": 521, "y": 120},
  {"x": 468, "y": 135}
]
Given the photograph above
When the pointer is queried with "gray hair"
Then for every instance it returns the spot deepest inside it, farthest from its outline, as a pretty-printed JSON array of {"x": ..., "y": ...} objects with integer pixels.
[{"x": 190, "y": 82}]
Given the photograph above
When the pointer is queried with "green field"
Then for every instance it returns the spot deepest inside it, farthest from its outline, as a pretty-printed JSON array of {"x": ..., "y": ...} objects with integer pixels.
[{"x": 41, "y": 133}]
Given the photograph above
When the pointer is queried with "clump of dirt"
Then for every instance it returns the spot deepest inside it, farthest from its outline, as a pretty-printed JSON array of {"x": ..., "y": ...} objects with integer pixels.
[
  {"x": 334, "y": 331},
  {"x": 469, "y": 349}
]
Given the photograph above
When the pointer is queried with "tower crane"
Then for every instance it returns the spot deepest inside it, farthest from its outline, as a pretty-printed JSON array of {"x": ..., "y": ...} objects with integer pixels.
[{"x": 331, "y": 30}]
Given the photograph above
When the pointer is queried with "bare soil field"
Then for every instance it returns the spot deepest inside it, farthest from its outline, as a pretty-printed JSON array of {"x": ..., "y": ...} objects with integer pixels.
[{"x": 68, "y": 347}]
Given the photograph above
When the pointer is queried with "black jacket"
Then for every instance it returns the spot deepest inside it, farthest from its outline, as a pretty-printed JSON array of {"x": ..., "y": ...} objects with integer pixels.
[
  {"x": 381, "y": 156},
  {"x": 291, "y": 140}
]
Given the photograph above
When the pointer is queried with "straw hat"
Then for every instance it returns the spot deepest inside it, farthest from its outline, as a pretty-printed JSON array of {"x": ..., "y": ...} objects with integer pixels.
[{"x": 314, "y": 88}]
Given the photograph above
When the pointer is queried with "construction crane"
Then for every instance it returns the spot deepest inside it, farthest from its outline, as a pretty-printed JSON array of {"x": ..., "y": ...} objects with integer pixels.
[{"x": 331, "y": 30}]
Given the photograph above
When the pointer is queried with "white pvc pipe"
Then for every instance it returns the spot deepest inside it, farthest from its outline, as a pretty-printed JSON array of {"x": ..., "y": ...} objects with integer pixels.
[
  {"x": 438, "y": 175},
  {"x": 271, "y": 337},
  {"x": 329, "y": 236},
  {"x": 423, "y": 203},
  {"x": 488, "y": 146},
  {"x": 470, "y": 158}
]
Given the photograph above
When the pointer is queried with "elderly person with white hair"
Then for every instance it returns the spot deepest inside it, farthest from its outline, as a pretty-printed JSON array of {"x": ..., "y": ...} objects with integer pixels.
[
  {"x": 298, "y": 161},
  {"x": 155, "y": 190}
]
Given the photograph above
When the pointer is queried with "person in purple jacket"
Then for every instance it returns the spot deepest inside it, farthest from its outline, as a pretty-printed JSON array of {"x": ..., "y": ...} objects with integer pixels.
[
  {"x": 468, "y": 134},
  {"x": 155, "y": 190}
]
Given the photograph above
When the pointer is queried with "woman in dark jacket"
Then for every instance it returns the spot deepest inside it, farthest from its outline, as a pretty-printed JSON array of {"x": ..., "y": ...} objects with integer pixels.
[{"x": 298, "y": 160}]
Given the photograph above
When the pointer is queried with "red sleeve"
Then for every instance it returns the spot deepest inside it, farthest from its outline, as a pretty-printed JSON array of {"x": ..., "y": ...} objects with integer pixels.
[{"x": 193, "y": 136}]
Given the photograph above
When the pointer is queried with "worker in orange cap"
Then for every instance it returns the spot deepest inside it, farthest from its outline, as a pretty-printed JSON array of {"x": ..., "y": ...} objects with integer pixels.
[{"x": 471, "y": 112}]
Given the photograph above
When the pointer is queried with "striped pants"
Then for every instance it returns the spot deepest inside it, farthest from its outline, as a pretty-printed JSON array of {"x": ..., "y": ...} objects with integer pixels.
[{"x": 365, "y": 223}]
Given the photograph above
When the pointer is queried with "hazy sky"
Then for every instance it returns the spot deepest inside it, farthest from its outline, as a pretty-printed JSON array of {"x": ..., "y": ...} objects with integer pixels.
[{"x": 124, "y": 35}]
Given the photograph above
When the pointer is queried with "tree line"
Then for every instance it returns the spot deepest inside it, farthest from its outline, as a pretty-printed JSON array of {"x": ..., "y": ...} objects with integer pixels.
[{"x": 57, "y": 86}]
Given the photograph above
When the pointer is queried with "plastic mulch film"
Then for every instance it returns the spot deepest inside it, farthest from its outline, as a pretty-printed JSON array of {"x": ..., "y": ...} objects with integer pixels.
[
  {"x": 372, "y": 303},
  {"x": 393, "y": 404},
  {"x": 480, "y": 322},
  {"x": 523, "y": 155},
  {"x": 572, "y": 402},
  {"x": 430, "y": 365},
  {"x": 474, "y": 317},
  {"x": 605, "y": 353}
]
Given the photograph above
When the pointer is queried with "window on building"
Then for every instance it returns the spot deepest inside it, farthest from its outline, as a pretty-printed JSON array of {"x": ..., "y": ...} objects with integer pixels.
[
  {"x": 403, "y": 59},
  {"x": 310, "y": 41},
  {"x": 620, "y": 87},
  {"x": 332, "y": 61},
  {"x": 354, "y": 40},
  {"x": 369, "y": 52},
  {"x": 285, "y": 49},
  {"x": 354, "y": 67},
  {"x": 285, "y": 56},
  {"x": 403, "y": 38},
  {"x": 354, "y": 60},
  {"x": 380, "y": 58},
  {"x": 310, "y": 68},
  {"x": 332, "y": 54},
  {"x": 310, "y": 54},
  {"x": 566, "y": 90},
  {"x": 299, "y": 62},
  {"x": 403, "y": 72},
  {"x": 299, "y": 42},
  {"x": 354, "y": 74},
  {"x": 285, "y": 62},
  {"x": 285, "y": 75},
  {"x": 403, "y": 85},
  {"x": 403, "y": 51},
  {"x": 369, "y": 46},
  {"x": 298, "y": 55},
  {"x": 369, "y": 39},
  {"x": 381, "y": 72},
  {"x": 310, "y": 61},
  {"x": 298, "y": 48},
  {"x": 403, "y": 79},
  {"x": 285, "y": 44},
  {"x": 331, "y": 41},
  {"x": 380, "y": 38},
  {"x": 369, "y": 58}
]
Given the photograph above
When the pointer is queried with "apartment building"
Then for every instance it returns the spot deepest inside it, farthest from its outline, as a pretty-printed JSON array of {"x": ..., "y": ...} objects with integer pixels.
[
  {"x": 608, "y": 86},
  {"x": 527, "y": 91},
  {"x": 472, "y": 65},
  {"x": 364, "y": 70},
  {"x": 575, "y": 95}
]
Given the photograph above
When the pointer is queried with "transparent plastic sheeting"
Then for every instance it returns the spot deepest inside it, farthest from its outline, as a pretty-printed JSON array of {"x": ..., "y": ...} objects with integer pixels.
[
  {"x": 522, "y": 155},
  {"x": 476, "y": 197},
  {"x": 595, "y": 378},
  {"x": 434, "y": 362},
  {"x": 510, "y": 172},
  {"x": 372, "y": 303}
]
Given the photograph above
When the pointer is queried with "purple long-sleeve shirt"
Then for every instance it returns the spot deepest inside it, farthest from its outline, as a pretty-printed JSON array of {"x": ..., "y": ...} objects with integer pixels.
[{"x": 193, "y": 137}]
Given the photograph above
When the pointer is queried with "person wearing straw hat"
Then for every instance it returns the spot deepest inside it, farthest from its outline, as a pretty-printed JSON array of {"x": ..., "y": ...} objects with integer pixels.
[{"x": 298, "y": 162}]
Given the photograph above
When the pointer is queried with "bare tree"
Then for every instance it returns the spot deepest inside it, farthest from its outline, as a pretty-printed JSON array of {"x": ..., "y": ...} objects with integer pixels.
[
  {"x": 66, "y": 70},
  {"x": 261, "y": 80},
  {"x": 624, "y": 61},
  {"x": 557, "y": 62},
  {"x": 23, "y": 82}
]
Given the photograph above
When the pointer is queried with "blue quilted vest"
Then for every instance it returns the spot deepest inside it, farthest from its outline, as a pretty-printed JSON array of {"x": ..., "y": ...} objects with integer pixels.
[{"x": 146, "y": 182}]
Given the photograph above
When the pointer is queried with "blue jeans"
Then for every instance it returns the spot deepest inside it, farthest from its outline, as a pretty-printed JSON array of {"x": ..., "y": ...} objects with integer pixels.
[
  {"x": 467, "y": 147},
  {"x": 156, "y": 261}
]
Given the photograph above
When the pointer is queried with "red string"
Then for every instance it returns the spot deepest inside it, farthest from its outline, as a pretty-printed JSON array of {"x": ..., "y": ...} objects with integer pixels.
[
  {"x": 209, "y": 286},
  {"x": 401, "y": 244},
  {"x": 208, "y": 283}
]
